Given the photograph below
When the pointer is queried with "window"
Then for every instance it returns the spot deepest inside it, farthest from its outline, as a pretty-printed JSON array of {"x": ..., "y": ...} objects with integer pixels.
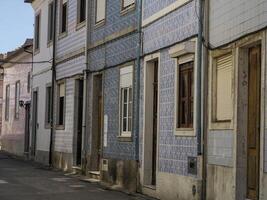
[
  {"x": 7, "y": 102},
  {"x": 48, "y": 106},
  {"x": 126, "y": 98},
  {"x": 185, "y": 95},
  {"x": 63, "y": 16},
  {"x": 50, "y": 21},
  {"x": 37, "y": 32},
  {"x": 223, "y": 90},
  {"x": 61, "y": 104},
  {"x": 100, "y": 11},
  {"x": 17, "y": 97},
  {"x": 81, "y": 11},
  {"x": 127, "y": 3},
  {"x": 29, "y": 82}
]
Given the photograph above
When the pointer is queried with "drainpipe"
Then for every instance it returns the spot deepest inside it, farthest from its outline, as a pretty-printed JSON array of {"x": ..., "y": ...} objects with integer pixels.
[
  {"x": 205, "y": 95},
  {"x": 53, "y": 84},
  {"x": 138, "y": 66},
  {"x": 85, "y": 88},
  {"x": 199, "y": 125}
]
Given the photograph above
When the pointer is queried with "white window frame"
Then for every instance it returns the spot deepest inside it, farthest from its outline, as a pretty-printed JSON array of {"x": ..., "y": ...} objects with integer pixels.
[
  {"x": 37, "y": 31},
  {"x": 126, "y": 85},
  {"x": 79, "y": 22},
  {"x": 127, "y": 8},
  {"x": 213, "y": 123},
  {"x": 61, "y": 33},
  {"x": 50, "y": 25}
]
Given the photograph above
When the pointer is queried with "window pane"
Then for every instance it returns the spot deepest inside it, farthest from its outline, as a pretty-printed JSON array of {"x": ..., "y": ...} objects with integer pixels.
[
  {"x": 82, "y": 10},
  {"x": 124, "y": 125},
  {"x": 37, "y": 32},
  {"x": 50, "y": 21},
  {"x": 61, "y": 111},
  {"x": 100, "y": 10},
  {"x": 64, "y": 18}
]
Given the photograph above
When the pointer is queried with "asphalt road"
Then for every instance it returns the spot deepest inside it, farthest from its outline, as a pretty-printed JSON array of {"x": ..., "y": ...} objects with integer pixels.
[{"x": 23, "y": 180}]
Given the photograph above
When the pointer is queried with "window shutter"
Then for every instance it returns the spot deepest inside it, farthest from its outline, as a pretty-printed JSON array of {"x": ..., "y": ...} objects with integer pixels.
[
  {"x": 62, "y": 90},
  {"x": 100, "y": 10},
  {"x": 224, "y": 88}
]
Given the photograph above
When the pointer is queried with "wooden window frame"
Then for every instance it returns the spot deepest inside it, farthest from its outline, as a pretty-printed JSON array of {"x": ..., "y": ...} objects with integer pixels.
[
  {"x": 62, "y": 4},
  {"x": 17, "y": 97},
  {"x": 50, "y": 22},
  {"x": 188, "y": 100},
  {"x": 48, "y": 107},
  {"x": 37, "y": 32},
  {"x": 7, "y": 102},
  {"x": 80, "y": 22},
  {"x": 61, "y": 126}
]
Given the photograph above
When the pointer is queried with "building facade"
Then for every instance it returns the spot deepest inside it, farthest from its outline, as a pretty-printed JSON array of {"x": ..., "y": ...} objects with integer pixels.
[
  {"x": 236, "y": 157},
  {"x": 169, "y": 159},
  {"x": 15, "y": 136},
  {"x": 112, "y": 68}
]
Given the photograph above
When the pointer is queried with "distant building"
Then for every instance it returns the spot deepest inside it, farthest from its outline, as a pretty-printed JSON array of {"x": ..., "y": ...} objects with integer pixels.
[{"x": 15, "y": 107}]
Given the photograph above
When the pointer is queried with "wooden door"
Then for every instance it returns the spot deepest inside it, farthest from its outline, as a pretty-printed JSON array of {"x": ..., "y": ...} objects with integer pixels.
[
  {"x": 155, "y": 123},
  {"x": 34, "y": 122},
  {"x": 253, "y": 138},
  {"x": 79, "y": 123},
  {"x": 27, "y": 129}
]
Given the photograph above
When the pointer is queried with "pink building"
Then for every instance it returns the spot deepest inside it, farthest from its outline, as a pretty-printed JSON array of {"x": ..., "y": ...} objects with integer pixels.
[{"x": 16, "y": 99}]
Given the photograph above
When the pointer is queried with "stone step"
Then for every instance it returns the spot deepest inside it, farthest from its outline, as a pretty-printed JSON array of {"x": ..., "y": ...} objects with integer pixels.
[
  {"x": 94, "y": 175},
  {"x": 77, "y": 169}
]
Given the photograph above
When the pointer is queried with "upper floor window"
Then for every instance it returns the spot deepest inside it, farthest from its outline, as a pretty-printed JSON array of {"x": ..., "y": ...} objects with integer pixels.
[
  {"x": 7, "y": 102},
  {"x": 100, "y": 11},
  {"x": 50, "y": 21},
  {"x": 17, "y": 97},
  {"x": 63, "y": 16},
  {"x": 81, "y": 11},
  {"x": 61, "y": 104},
  {"x": 185, "y": 94},
  {"x": 126, "y": 99},
  {"x": 127, "y": 4},
  {"x": 222, "y": 77},
  {"x": 37, "y": 31},
  {"x": 29, "y": 82}
]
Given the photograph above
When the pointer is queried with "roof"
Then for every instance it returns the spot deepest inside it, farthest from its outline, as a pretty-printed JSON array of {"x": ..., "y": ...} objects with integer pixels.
[
  {"x": 28, "y": 1},
  {"x": 11, "y": 54}
]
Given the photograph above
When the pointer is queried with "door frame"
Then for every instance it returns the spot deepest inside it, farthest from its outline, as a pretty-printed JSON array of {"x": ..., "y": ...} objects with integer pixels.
[
  {"x": 149, "y": 61},
  {"x": 33, "y": 142},
  {"x": 242, "y": 60},
  {"x": 74, "y": 145}
]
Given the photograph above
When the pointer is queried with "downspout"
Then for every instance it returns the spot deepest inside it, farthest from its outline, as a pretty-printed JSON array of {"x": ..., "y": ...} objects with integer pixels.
[
  {"x": 205, "y": 82},
  {"x": 53, "y": 68},
  {"x": 138, "y": 67},
  {"x": 199, "y": 127},
  {"x": 85, "y": 88}
]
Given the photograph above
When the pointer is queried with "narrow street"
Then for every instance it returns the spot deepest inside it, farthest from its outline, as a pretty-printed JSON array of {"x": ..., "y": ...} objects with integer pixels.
[{"x": 22, "y": 180}]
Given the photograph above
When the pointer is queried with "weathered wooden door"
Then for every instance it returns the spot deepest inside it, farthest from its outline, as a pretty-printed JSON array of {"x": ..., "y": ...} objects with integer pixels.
[
  {"x": 155, "y": 123},
  {"x": 253, "y": 138},
  {"x": 79, "y": 122},
  {"x": 27, "y": 129},
  {"x": 100, "y": 125},
  {"x": 34, "y": 122}
]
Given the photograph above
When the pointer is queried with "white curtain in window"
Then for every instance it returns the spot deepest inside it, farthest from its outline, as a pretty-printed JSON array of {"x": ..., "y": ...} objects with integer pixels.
[{"x": 100, "y": 10}]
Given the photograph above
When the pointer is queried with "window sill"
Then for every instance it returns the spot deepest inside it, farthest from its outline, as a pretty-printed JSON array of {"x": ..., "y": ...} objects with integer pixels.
[
  {"x": 99, "y": 24},
  {"x": 49, "y": 43},
  {"x": 80, "y": 25},
  {"x": 36, "y": 51},
  {"x": 125, "y": 138},
  {"x": 184, "y": 132},
  {"x": 62, "y": 35},
  {"x": 60, "y": 127},
  {"x": 125, "y": 11}
]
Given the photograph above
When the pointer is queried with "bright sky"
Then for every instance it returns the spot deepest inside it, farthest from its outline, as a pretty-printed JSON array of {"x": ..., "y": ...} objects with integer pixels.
[{"x": 16, "y": 24}]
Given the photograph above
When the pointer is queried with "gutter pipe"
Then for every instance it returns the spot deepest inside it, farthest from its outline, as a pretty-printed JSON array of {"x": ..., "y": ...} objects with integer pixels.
[{"x": 53, "y": 68}]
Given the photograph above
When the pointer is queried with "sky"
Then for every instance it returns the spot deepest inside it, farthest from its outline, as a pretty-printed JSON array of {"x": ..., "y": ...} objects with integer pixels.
[{"x": 16, "y": 24}]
